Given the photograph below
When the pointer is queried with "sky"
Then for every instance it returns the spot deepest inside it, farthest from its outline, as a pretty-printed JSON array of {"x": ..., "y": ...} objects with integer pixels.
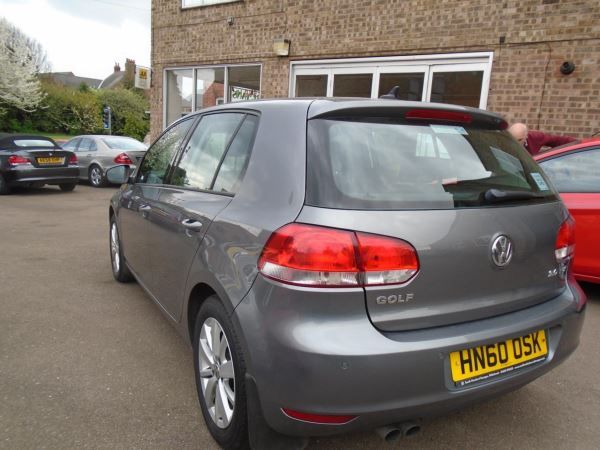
[{"x": 86, "y": 37}]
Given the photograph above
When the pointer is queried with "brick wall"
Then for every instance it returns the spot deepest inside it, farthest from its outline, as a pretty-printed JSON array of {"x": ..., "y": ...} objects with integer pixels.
[{"x": 526, "y": 83}]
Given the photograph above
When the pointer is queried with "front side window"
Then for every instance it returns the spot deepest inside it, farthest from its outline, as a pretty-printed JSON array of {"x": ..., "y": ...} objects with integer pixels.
[
  {"x": 159, "y": 157},
  {"x": 575, "y": 172},
  {"x": 205, "y": 150},
  {"x": 381, "y": 164}
]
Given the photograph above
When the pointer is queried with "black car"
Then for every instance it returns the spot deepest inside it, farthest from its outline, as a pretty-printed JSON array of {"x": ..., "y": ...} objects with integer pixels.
[{"x": 27, "y": 161}]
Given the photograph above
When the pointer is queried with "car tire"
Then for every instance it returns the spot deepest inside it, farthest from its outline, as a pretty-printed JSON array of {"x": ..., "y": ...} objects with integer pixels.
[
  {"x": 96, "y": 176},
  {"x": 117, "y": 261},
  {"x": 4, "y": 189},
  {"x": 67, "y": 187},
  {"x": 228, "y": 424}
]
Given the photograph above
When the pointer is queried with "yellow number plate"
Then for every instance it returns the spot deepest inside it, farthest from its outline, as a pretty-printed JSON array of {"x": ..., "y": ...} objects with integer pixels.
[
  {"x": 480, "y": 363},
  {"x": 52, "y": 160}
]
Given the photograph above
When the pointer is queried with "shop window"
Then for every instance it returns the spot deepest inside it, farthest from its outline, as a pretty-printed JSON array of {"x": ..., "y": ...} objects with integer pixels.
[
  {"x": 410, "y": 84},
  {"x": 244, "y": 83},
  {"x": 179, "y": 94},
  {"x": 457, "y": 88},
  {"x": 210, "y": 87},
  {"x": 311, "y": 86},
  {"x": 352, "y": 85}
]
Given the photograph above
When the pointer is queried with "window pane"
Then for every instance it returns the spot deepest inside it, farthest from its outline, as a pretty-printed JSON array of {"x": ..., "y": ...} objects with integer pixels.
[
  {"x": 85, "y": 145},
  {"x": 577, "y": 172},
  {"x": 410, "y": 84},
  {"x": 352, "y": 85},
  {"x": 179, "y": 94},
  {"x": 382, "y": 164},
  {"x": 244, "y": 83},
  {"x": 234, "y": 165},
  {"x": 210, "y": 87},
  {"x": 457, "y": 88},
  {"x": 160, "y": 156},
  {"x": 205, "y": 149},
  {"x": 311, "y": 85}
]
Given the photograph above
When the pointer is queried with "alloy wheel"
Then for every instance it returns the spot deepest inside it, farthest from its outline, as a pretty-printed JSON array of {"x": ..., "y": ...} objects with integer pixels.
[
  {"x": 114, "y": 248},
  {"x": 217, "y": 374},
  {"x": 96, "y": 176}
]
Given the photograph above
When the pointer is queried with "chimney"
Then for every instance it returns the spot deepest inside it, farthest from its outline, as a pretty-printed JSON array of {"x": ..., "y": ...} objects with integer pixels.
[{"x": 117, "y": 67}]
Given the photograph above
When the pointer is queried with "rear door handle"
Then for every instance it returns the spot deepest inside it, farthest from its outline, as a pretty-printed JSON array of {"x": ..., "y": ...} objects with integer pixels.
[
  {"x": 192, "y": 224},
  {"x": 145, "y": 208}
]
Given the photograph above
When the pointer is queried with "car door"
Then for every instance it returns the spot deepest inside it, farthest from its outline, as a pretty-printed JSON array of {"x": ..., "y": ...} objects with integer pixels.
[
  {"x": 85, "y": 153},
  {"x": 135, "y": 206},
  {"x": 576, "y": 175},
  {"x": 182, "y": 211},
  {"x": 72, "y": 147}
]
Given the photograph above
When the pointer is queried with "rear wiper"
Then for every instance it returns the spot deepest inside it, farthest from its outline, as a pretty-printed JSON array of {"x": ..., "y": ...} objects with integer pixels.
[{"x": 498, "y": 195}]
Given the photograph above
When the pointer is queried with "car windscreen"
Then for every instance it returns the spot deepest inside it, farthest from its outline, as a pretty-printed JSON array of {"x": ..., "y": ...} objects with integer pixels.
[
  {"x": 123, "y": 143},
  {"x": 383, "y": 163}
]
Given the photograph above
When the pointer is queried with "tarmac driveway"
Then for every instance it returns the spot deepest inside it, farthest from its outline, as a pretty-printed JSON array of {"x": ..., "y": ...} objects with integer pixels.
[{"x": 88, "y": 363}]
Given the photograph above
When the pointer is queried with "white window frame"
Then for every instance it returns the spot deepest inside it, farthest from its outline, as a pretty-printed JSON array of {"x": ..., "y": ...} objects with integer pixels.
[
  {"x": 476, "y": 67},
  {"x": 455, "y": 62},
  {"x": 185, "y": 4},
  {"x": 194, "y": 83}
]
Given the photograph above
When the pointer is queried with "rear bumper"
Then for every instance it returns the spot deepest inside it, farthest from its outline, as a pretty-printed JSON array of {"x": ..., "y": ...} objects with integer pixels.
[
  {"x": 314, "y": 359},
  {"x": 21, "y": 176}
]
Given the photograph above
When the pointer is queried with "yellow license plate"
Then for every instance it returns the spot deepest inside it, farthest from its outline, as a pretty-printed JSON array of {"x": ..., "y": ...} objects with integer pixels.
[
  {"x": 480, "y": 363},
  {"x": 51, "y": 160}
]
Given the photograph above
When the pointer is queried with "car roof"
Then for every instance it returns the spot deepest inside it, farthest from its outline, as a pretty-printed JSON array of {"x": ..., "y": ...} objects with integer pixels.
[
  {"x": 7, "y": 140},
  {"x": 323, "y": 106},
  {"x": 568, "y": 148}
]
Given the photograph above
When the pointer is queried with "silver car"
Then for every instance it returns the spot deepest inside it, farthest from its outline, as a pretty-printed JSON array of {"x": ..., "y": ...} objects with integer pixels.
[
  {"x": 341, "y": 265},
  {"x": 98, "y": 153}
]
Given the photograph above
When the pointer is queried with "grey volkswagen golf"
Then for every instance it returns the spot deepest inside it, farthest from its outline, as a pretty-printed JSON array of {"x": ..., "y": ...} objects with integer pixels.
[{"x": 342, "y": 265}]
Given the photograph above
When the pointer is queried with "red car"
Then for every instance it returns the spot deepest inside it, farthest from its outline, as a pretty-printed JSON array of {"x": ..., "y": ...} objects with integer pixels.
[{"x": 575, "y": 171}]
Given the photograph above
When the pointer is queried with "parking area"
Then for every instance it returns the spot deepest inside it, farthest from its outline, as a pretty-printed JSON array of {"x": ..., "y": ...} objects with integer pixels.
[{"x": 86, "y": 362}]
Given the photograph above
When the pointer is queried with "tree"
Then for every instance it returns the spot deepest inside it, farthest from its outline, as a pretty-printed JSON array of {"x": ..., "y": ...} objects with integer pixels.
[
  {"x": 128, "y": 112},
  {"x": 21, "y": 58}
]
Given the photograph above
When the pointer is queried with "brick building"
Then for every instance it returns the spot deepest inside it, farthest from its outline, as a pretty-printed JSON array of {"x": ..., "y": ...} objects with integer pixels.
[{"x": 501, "y": 55}]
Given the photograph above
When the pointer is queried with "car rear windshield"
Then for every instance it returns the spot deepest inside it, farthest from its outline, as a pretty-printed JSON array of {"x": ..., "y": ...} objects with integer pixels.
[
  {"x": 34, "y": 143},
  {"x": 123, "y": 143},
  {"x": 387, "y": 164}
]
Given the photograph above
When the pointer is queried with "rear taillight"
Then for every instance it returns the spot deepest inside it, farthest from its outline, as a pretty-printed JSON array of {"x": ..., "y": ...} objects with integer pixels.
[
  {"x": 123, "y": 158},
  {"x": 16, "y": 160},
  {"x": 309, "y": 255},
  {"x": 565, "y": 246},
  {"x": 73, "y": 161}
]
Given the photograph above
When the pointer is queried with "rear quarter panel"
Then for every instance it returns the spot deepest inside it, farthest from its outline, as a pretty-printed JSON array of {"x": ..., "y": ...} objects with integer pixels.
[{"x": 271, "y": 195}]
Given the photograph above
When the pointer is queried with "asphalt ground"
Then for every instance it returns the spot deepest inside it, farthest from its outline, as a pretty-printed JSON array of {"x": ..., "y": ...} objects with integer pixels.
[{"x": 86, "y": 362}]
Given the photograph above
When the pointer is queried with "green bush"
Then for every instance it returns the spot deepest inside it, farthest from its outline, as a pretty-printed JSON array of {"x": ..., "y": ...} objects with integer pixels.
[{"x": 128, "y": 108}]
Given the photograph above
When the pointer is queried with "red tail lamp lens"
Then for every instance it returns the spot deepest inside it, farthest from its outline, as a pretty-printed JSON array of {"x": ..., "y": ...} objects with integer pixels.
[
  {"x": 439, "y": 114},
  {"x": 123, "y": 158},
  {"x": 16, "y": 160},
  {"x": 317, "y": 418},
  {"x": 565, "y": 241},
  {"x": 73, "y": 161},
  {"x": 309, "y": 255}
]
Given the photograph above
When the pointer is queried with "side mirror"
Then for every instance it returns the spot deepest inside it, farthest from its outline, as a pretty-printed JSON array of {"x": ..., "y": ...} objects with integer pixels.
[{"x": 118, "y": 174}]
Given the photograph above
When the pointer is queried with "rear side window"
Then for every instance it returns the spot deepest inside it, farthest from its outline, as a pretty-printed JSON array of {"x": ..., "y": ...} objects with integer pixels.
[
  {"x": 575, "y": 172},
  {"x": 386, "y": 164}
]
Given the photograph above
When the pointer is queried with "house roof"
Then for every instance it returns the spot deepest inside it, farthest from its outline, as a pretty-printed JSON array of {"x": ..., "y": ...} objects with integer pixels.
[
  {"x": 72, "y": 80},
  {"x": 112, "y": 80}
]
